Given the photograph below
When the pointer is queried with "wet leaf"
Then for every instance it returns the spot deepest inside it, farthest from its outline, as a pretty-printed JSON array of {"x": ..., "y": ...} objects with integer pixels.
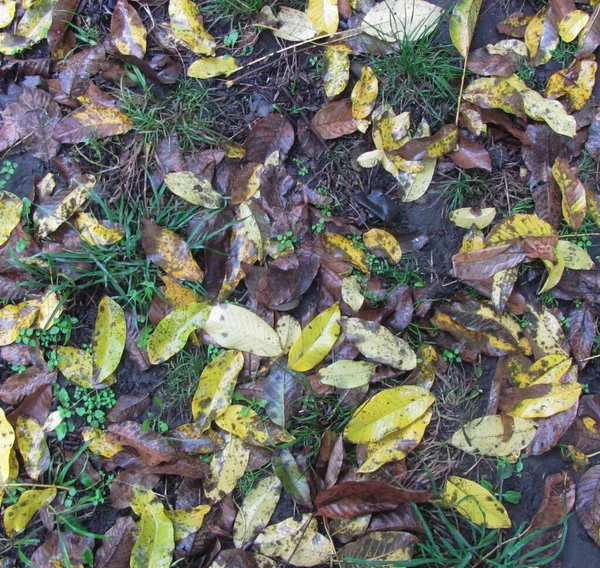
[
  {"x": 150, "y": 445},
  {"x": 251, "y": 427},
  {"x": 213, "y": 67},
  {"x": 475, "y": 503},
  {"x": 10, "y": 215},
  {"x": 17, "y": 516},
  {"x": 575, "y": 83},
  {"x": 11, "y": 44},
  {"x": 91, "y": 122},
  {"x": 256, "y": 510},
  {"x": 227, "y": 466},
  {"x": 234, "y": 327},
  {"x": 573, "y": 193},
  {"x": 383, "y": 244},
  {"x": 540, "y": 400},
  {"x": 288, "y": 329},
  {"x": 379, "y": 344},
  {"x": 316, "y": 340},
  {"x": 541, "y": 35},
  {"x": 115, "y": 552},
  {"x": 589, "y": 38},
  {"x": 514, "y": 25},
  {"x": 347, "y": 374},
  {"x": 127, "y": 30},
  {"x": 336, "y": 69},
  {"x": 335, "y": 119},
  {"x": 386, "y": 412},
  {"x": 156, "y": 541},
  {"x": 414, "y": 185},
  {"x": 172, "y": 332},
  {"x": 444, "y": 141},
  {"x": 169, "y": 251},
  {"x": 494, "y": 435},
  {"x": 462, "y": 24},
  {"x": 187, "y": 521},
  {"x": 282, "y": 390},
  {"x": 468, "y": 217},
  {"x": 272, "y": 133},
  {"x": 36, "y": 21},
  {"x": 108, "y": 341},
  {"x": 344, "y": 249},
  {"x": 588, "y": 496},
  {"x": 193, "y": 189},
  {"x": 364, "y": 94},
  {"x": 323, "y": 15},
  {"x": 581, "y": 332},
  {"x": 294, "y": 481},
  {"x": 96, "y": 233},
  {"x": 33, "y": 448},
  {"x": 187, "y": 25},
  {"x": 216, "y": 386},
  {"x": 557, "y": 501},
  {"x": 392, "y": 546},
  {"x": 13, "y": 317},
  {"x": 7, "y": 440}
]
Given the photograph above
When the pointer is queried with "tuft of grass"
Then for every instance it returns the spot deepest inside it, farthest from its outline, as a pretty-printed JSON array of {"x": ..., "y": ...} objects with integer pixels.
[
  {"x": 565, "y": 53},
  {"x": 463, "y": 189},
  {"x": 231, "y": 8}
]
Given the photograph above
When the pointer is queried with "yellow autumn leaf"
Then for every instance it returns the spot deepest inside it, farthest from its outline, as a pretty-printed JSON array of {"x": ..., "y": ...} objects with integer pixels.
[
  {"x": 494, "y": 435},
  {"x": 475, "y": 503},
  {"x": 552, "y": 367},
  {"x": 533, "y": 37},
  {"x": 93, "y": 121},
  {"x": 414, "y": 185},
  {"x": 36, "y": 21},
  {"x": 383, "y": 244},
  {"x": 256, "y": 510},
  {"x": 234, "y": 327},
  {"x": 395, "y": 446},
  {"x": 7, "y": 440},
  {"x": 316, "y": 340},
  {"x": 346, "y": 374},
  {"x": 575, "y": 257},
  {"x": 7, "y": 12},
  {"x": 17, "y": 516},
  {"x": 10, "y": 215},
  {"x": 215, "y": 387},
  {"x": 572, "y": 24},
  {"x": 503, "y": 283},
  {"x": 364, "y": 93},
  {"x": 288, "y": 329},
  {"x": 108, "y": 340},
  {"x": 543, "y": 400},
  {"x": 323, "y": 15},
  {"x": 574, "y": 203},
  {"x": 99, "y": 442},
  {"x": 468, "y": 217},
  {"x": 226, "y": 467},
  {"x": 336, "y": 69},
  {"x": 96, "y": 233},
  {"x": 155, "y": 542},
  {"x": 33, "y": 448},
  {"x": 187, "y": 25},
  {"x": 187, "y": 521},
  {"x": 294, "y": 25},
  {"x": 251, "y": 427},
  {"x": 351, "y": 293},
  {"x": 178, "y": 295},
  {"x": 462, "y": 24},
  {"x": 213, "y": 67},
  {"x": 546, "y": 331},
  {"x": 379, "y": 344},
  {"x": 344, "y": 249},
  {"x": 127, "y": 30},
  {"x": 76, "y": 365},
  {"x": 193, "y": 189},
  {"x": 576, "y": 83},
  {"x": 13, "y": 317},
  {"x": 386, "y": 412},
  {"x": 172, "y": 332},
  {"x": 424, "y": 374},
  {"x": 519, "y": 225}
]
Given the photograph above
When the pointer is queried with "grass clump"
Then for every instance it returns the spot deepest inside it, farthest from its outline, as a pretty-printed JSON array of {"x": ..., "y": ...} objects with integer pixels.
[{"x": 225, "y": 8}]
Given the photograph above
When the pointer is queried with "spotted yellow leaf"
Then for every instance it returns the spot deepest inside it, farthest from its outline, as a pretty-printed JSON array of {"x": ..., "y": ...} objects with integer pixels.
[
  {"x": 468, "y": 217},
  {"x": 7, "y": 440},
  {"x": 13, "y": 317},
  {"x": 17, "y": 516},
  {"x": 364, "y": 93},
  {"x": 344, "y": 249},
  {"x": 336, "y": 69},
  {"x": 7, "y": 12},
  {"x": 323, "y": 15},
  {"x": 347, "y": 374},
  {"x": 33, "y": 448},
  {"x": 155, "y": 542},
  {"x": 187, "y": 25},
  {"x": 99, "y": 442},
  {"x": 10, "y": 215},
  {"x": 383, "y": 244},
  {"x": 226, "y": 467},
  {"x": 213, "y": 67},
  {"x": 108, "y": 340},
  {"x": 187, "y": 521},
  {"x": 95, "y": 232},
  {"x": 193, "y": 189}
]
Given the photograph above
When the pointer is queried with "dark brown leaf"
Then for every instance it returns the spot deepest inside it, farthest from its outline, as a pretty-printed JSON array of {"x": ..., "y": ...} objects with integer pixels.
[
  {"x": 127, "y": 30},
  {"x": 550, "y": 430},
  {"x": 581, "y": 331},
  {"x": 51, "y": 553},
  {"x": 75, "y": 76},
  {"x": 18, "y": 386},
  {"x": 579, "y": 285},
  {"x": 234, "y": 558},
  {"x": 490, "y": 64},
  {"x": 150, "y": 445},
  {"x": 135, "y": 353},
  {"x": 37, "y": 405},
  {"x": 128, "y": 407},
  {"x": 121, "y": 489},
  {"x": 514, "y": 25},
  {"x": 334, "y": 120},
  {"x": 282, "y": 391},
  {"x": 471, "y": 155},
  {"x": 185, "y": 466},
  {"x": 115, "y": 552},
  {"x": 336, "y": 460},
  {"x": 441, "y": 143},
  {"x": 272, "y": 133},
  {"x": 588, "y": 502},
  {"x": 592, "y": 144},
  {"x": 62, "y": 14},
  {"x": 584, "y": 433},
  {"x": 403, "y": 518},
  {"x": 557, "y": 500},
  {"x": 589, "y": 38},
  {"x": 402, "y": 302},
  {"x": 484, "y": 263},
  {"x": 352, "y": 498}
]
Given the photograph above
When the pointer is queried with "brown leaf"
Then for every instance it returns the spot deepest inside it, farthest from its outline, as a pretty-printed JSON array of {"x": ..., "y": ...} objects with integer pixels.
[
  {"x": 37, "y": 405},
  {"x": 573, "y": 192},
  {"x": 136, "y": 354},
  {"x": 150, "y": 445},
  {"x": 588, "y": 502},
  {"x": 272, "y": 133},
  {"x": 62, "y": 14},
  {"x": 235, "y": 558},
  {"x": 335, "y": 119},
  {"x": 557, "y": 501},
  {"x": 490, "y": 64},
  {"x": 350, "y": 499},
  {"x": 336, "y": 460},
  {"x": 514, "y": 25},
  {"x": 579, "y": 285},
  {"x": 18, "y": 386},
  {"x": 378, "y": 546},
  {"x": 550, "y": 430},
  {"x": 245, "y": 183},
  {"x": 471, "y": 155},
  {"x": 52, "y": 552},
  {"x": 128, "y": 407},
  {"x": 441, "y": 143},
  {"x": 185, "y": 466},
  {"x": 115, "y": 552},
  {"x": 581, "y": 331},
  {"x": 403, "y": 518},
  {"x": 589, "y": 38},
  {"x": 484, "y": 263},
  {"x": 91, "y": 122},
  {"x": 121, "y": 489},
  {"x": 75, "y": 76},
  {"x": 401, "y": 301},
  {"x": 592, "y": 144},
  {"x": 127, "y": 30},
  {"x": 584, "y": 433}
]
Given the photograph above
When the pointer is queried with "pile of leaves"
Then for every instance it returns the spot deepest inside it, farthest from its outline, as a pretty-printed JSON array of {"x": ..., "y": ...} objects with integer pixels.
[{"x": 239, "y": 255}]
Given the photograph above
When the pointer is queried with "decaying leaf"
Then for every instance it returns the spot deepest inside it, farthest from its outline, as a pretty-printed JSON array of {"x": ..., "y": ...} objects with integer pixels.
[
  {"x": 193, "y": 189},
  {"x": 383, "y": 244},
  {"x": 108, "y": 341},
  {"x": 17, "y": 516},
  {"x": 294, "y": 481},
  {"x": 336, "y": 69},
  {"x": 364, "y": 94},
  {"x": 379, "y": 546},
  {"x": 7, "y": 439},
  {"x": 156, "y": 541},
  {"x": 557, "y": 501},
  {"x": 127, "y": 30},
  {"x": 33, "y": 448},
  {"x": 347, "y": 374},
  {"x": 462, "y": 24},
  {"x": 468, "y": 217},
  {"x": 323, "y": 15},
  {"x": 573, "y": 193},
  {"x": 186, "y": 23},
  {"x": 227, "y": 466}
]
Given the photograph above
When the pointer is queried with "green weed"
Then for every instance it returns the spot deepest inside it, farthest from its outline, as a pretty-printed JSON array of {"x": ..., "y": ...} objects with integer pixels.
[
  {"x": 565, "y": 53},
  {"x": 286, "y": 241},
  {"x": 463, "y": 189},
  {"x": 7, "y": 170},
  {"x": 247, "y": 482}
]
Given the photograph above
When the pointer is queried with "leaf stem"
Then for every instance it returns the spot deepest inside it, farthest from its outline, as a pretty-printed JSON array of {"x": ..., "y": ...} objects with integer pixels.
[{"x": 460, "y": 93}]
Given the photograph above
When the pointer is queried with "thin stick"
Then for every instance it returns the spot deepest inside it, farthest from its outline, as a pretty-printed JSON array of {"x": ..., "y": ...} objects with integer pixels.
[
  {"x": 34, "y": 485},
  {"x": 589, "y": 358},
  {"x": 462, "y": 85}
]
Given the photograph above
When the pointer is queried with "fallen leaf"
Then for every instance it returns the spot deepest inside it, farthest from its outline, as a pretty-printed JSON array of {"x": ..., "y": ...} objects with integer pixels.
[
  {"x": 336, "y": 69},
  {"x": 108, "y": 340},
  {"x": 383, "y": 245},
  {"x": 7, "y": 12},
  {"x": 13, "y": 317},
  {"x": 558, "y": 499},
  {"x": 226, "y": 467},
  {"x": 33, "y": 448},
  {"x": 187, "y": 521},
  {"x": 282, "y": 391},
  {"x": 323, "y": 15},
  {"x": 575, "y": 83},
  {"x": 540, "y": 400},
  {"x": 127, "y": 30},
  {"x": 294, "y": 481},
  {"x": 91, "y": 122},
  {"x": 364, "y": 94},
  {"x": 7, "y": 440},
  {"x": 351, "y": 293},
  {"x": 76, "y": 365},
  {"x": 272, "y": 133},
  {"x": 155, "y": 543},
  {"x": 468, "y": 217},
  {"x": 588, "y": 496},
  {"x": 344, "y": 249},
  {"x": 294, "y": 25},
  {"x": 193, "y": 189},
  {"x": 36, "y": 21},
  {"x": 589, "y": 38},
  {"x": 462, "y": 24},
  {"x": 335, "y": 119},
  {"x": 347, "y": 374},
  {"x": 115, "y": 552},
  {"x": 10, "y": 216},
  {"x": 213, "y": 67},
  {"x": 251, "y": 427},
  {"x": 96, "y": 233},
  {"x": 573, "y": 193},
  {"x": 150, "y": 445},
  {"x": 444, "y": 141},
  {"x": 581, "y": 331},
  {"x": 17, "y": 516},
  {"x": 187, "y": 25},
  {"x": 392, "y": 546}
]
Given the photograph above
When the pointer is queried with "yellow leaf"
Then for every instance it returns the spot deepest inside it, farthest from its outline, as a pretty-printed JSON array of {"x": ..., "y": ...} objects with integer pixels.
[
  {"x": 503, "y": 283},
  {"x": 227, "y": 466},
  {"x": 575, "y": 257},
  {"x": 13, "y": 317},
  {"x": 31, "y": 440},
  {"x": 414, "y": 185},
  {"x": 468, "y": 217},
  {"x": 516, "y": 226},
  {"x": 11, "y": 44},
  {"x": 575, "y": 83},
  {"x": 94, "y": 121},
  {"x": 347, "y": 374},
  {"x": 549, "y": 369},
  {"x": 76, "y": 365},
  {"x": 7, "y": 440},
  {"x": 491, "y": 92},
  {"x": 534, "y": 33},
  {"x": 7, "y": 12},
  {"x": 294, "y": 25},
  {"x": 494, "y": 435},
  {"x": 36, "y": 21},
  {"x": 193, "y": 189},
  {"x": 379, "y": 344},
  {"x": 172, "y": 332},
  {"x": 187, "y": 521},
  {"x": 323, "y": 15},
  {"x": 96, "y": 233},
  {"x": 383, "y": 244},
  {"x": 475, "y": 503},
  {"x": 50, "y": 308},
  {"x": 251, "y": 427},
  {"x": 288, "y": 329},
  {"x": 99, "y": 443},
  {"x": 234, "y": 327},
  {"x": 256, "y": 510},
  {"x": 48, "y": 219},
  {"x": 216, "y": 386},
  {"x": 17, "y": 516},
  {"x": 545, "y": 330},
  {"x": 178, "y": 295},
  {"x": 351, "y": 293},
  {"x": 141, "y": 497},
  {"x": 10, "y": 215},
  {"x": 186, "y": 24},
  {"x": 546, "y": 400},
  {"x": 316, "y": 340},
  {"x": 574, "y": 203},
  {"x": 424, "y": 374},
  {"x": 462, "y": 24},
  {"x": 155, "y": 542},
  {"x": 386, "y": 412},
  {"x": 395, "y": 446},
  {"x": 572, "y": 24},
  {"x": 213, "y": 67},
  {"x": 364, "y": 93},
  {"x": 108, "y": 341},
  {"x": 555, "y": 272},
  {"x": 344, "y": 249},
  {"x": 336, "y": 69},
  {"x": 370, "y": 159},
  {"x": 396, "y": 20}
]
